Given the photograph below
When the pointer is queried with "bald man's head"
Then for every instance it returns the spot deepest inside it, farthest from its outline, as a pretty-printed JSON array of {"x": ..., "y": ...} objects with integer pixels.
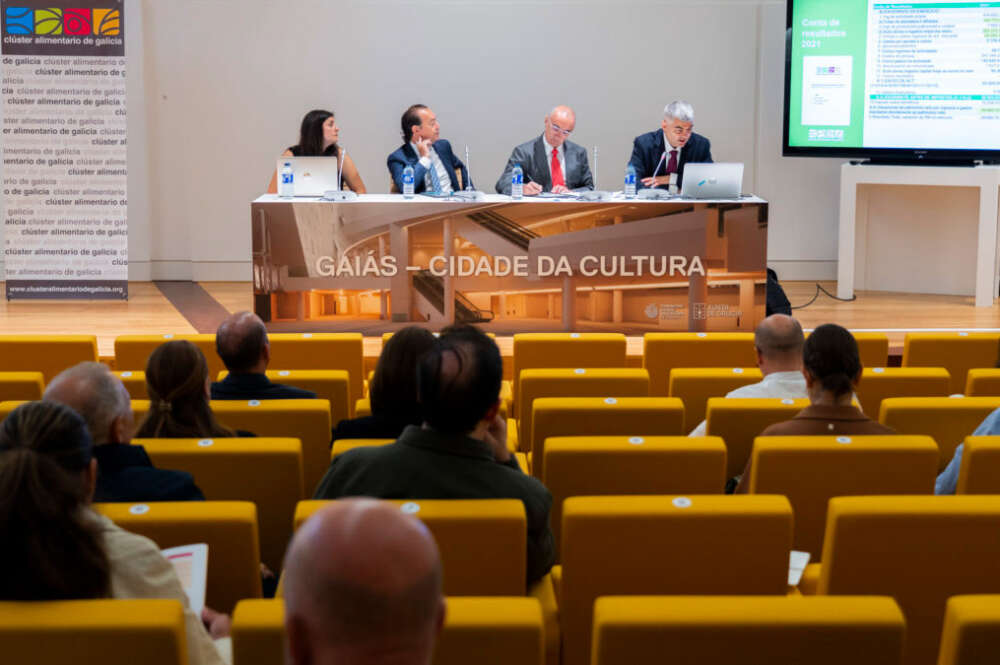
[
  {"x": 99, "y": 397},
  {"x": 779, "y": 341},
  {"x": 241, "y": 342},
  {"x": 559, "y": 123},
  {"x": 362, "y": 578}
]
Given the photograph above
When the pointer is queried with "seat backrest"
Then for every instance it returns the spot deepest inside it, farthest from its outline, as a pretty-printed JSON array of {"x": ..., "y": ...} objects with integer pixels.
[
  {"x": 958, "y": 352},
  {"x": 333, "y": 385},
  {"x": 341, "y": 446},
  {"x": 566, "y": 350},
  {"x": 878, "y": 383},
  {"x": 971, "y": 633},
  {"x": 7, "y": 407},
  {"x": 48, "y": 354},
  {"x": 662, "y": 352},
  {"x": 483, "y": 542},
  {"x": 267, "y": 472},
  {"x": 918, "y": 549},
  {"x": 135, "y": 382},
  {"x": 132, "y": 351},
  {"x": 739, "y": 421},
  {"x": 612, "y": 416},
  {"x": 229, "y": 528},
  {"x": 577, "y": 382},
  {"x": 343, "y": 351},
  {"x": 873, "y": 348},
  {"x": 979, "y": 472},
  {"x": 487, "y": 631},
  {"x": 948, "y": 420},
  {"x": 748, "y": 630},
  {"x": 609, "y": 465},
  {"x": 982, "y": 382},
  {"x": 698, "y": 544},
  {"x": 810, "y": 470},
  {"x": 694, "y": 385},
  {"x": 94, "y": 632},
  {"x": 21, "y": 386}
]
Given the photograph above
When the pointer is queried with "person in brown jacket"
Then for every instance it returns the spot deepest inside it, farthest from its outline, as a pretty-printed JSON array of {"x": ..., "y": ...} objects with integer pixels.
[{"x": 832, "y": 368}]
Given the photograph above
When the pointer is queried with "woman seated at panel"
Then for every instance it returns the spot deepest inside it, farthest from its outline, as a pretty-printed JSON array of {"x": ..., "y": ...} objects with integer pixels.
[
  {"x": 56, "y": 548},
  {"x": 179, "y": 387},
  {"x": 393, "y": 390},
  {"x": 831, "y": 365},
  {"x": 318, "y": 138}
]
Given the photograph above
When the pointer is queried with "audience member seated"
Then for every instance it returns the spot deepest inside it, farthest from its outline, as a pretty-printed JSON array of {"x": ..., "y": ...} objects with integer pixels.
[
  {"x": 362, "y": 586},
  {"x": 460, "y": 451},
  {"x": 393, "y": 390},
  {"x": 778, "y": 341},
  {"x": 832, "y": 369},
  {"x": 56, "y": 548},
  {"x": 124, "y": 471},
  {"x": 241, "y": 342},
  {"x": 178, "y": 386}
]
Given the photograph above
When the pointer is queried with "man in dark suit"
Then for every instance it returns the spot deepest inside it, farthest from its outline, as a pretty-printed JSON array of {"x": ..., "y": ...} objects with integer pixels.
[
  {"x": 434, "y": 164},
  {"x": 124, "y": 471},
  {"x": 660, "y": 153},
  {"x": 551, "y": 163},
  {"x": 241, "y": 342}
]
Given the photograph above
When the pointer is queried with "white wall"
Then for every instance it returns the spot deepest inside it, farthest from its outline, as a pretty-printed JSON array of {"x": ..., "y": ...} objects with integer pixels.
[{"x": 225, "y": 83}]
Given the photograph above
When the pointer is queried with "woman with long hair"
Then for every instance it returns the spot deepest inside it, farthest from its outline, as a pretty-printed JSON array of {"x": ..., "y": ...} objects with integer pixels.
[{"x": 318, "y": 136}]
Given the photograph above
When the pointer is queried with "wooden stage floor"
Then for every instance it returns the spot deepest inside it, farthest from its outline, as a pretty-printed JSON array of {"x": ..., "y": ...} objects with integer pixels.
[{"x": 180, "y": 307}]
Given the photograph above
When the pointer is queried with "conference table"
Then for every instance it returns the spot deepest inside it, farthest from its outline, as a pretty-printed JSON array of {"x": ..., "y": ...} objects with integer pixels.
[{"x": 518, "y": 265}]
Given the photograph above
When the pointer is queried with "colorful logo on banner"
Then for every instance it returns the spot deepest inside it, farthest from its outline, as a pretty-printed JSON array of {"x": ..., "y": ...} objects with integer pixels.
[{"x": 56, "y": 21}]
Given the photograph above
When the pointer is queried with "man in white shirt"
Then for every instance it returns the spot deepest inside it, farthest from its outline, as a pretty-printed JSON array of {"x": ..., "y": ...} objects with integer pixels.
[
  {"x": 778, "y": 340},
  {"x": 551, "y": 162},
  {"x": 435, "y": 166}
]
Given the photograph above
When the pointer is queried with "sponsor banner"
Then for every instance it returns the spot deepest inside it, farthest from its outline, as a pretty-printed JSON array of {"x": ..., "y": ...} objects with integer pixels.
[{"x": 64, "y": 149}]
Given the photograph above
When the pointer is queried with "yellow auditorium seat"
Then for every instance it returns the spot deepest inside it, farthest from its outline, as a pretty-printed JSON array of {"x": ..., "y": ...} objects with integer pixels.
[
  {"x": 662, "y": 352},
  {"x": 483, "y": 630},
  {"x": 873, "y": 348},
  {"x": 132, "y": 351},
  {"x": 739, "y": 421},
  {"x": 958, "y": 352},
  {"x": 983, "y": 382},
  {"x": 332, "y": 385},
  {"x": 980, "y": 469},
  {"x": 483, "y": 542},
  {"x": 878, "y": 383},
  {"x": 919, "y": 550},
  {"x": 7, "y": 407},
  {"x": 566, "y": 350},
  {"x": 947, "y": 419},
  {"x": 48, "y": 354},
  {"x": 810, "y": 470},
  {"x": 593, "y": 416},
  {"x": 93, "y": 632},
  {"x": 344, "y": 351},
  {"x": 341, "y": 446},
  {"x": 135, "y": 382},
  {"x": 21, "y": 386},
  {"x": 698, "y": 544},
  {"x": 362, "y": 407},
  {"x": 695, "y": 385},
  {"x": 971, "y": 633},
  {"x": 609, "y": 465},
  {"x": 576, "y": 382},
  {"x": 267, "y": 472},
  {"x": 229, "y": 528},
  {"x": 747, "y": 630}
]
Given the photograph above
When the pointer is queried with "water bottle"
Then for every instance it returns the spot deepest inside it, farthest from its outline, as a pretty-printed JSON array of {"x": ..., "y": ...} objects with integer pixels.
[
  {"x": 630, "y": 181},
  {"x": 286, "y": 186},
  {"x": 517, "y": 182},
  {"x": 408, "y": 182}
]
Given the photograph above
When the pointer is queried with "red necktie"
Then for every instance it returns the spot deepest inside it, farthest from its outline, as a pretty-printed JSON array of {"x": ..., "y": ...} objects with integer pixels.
[
  {"x": 557, "y": 174},
  {"x": 672, "y": 162}
]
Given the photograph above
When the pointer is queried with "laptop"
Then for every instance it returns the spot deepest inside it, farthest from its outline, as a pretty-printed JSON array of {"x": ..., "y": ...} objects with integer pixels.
[
  {"x": 312, "y": 175},
  {"x": 712, "y": 181}
]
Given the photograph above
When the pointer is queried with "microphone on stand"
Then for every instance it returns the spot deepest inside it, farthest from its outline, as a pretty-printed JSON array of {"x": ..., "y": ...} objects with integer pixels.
[
  {"x": 652, "y": 192},
  {"x": 594, "y": 194},
  {"x": 663, "y": 158},
  {"x": 470, "y": 193},
  {"x": 339, "y": 194}
]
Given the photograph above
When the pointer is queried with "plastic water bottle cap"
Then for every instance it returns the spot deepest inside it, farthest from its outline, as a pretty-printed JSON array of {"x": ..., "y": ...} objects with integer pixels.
[
  {"x": 879, "y": 370},
  {"x": 681, "y": 502},
  {"x": 611, "y": 400},
  {"x": 168, "y": 336},
  {"x": 253, "y": 402},
  {"x": 205, "y": 443},
  {"x": 410, "y": 507},
  {"x": 843, "y": 439},
  {"x": 579, "y": 370},
  {"x": 737, "y": 370},
  {"x": 963, "y": 334},
  {"x": 139, "y": 509},
  {"x": 788, "y": 401},
  {"x": 284, "y": 372},
  {"x": 637, "y": 440},
  {"x": 702, "y": 334},
  {"x": 126, "y": 375},
  {"x": 574, "y": 335},
  {"x": 307, "y": 335}
]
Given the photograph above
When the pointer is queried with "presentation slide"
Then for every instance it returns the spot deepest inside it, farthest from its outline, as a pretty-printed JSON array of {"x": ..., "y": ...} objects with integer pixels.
[{"x": 871, "y": 74}]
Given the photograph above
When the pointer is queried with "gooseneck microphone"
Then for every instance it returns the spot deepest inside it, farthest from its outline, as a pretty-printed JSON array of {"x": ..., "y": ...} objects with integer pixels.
[{"x": 663, "y": 158}]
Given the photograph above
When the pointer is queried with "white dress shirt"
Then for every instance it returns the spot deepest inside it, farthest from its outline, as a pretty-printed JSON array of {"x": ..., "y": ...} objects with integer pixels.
[
  {"x": 783, "y": 385},
  {"x": 433, "y": 161},
  {"x": 562, "y": 160}
]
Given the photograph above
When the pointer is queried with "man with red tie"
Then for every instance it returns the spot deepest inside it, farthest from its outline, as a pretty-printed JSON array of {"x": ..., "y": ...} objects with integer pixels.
[
  {"x": 660, "y": 153},
  {"x": 551, "y": 163}
]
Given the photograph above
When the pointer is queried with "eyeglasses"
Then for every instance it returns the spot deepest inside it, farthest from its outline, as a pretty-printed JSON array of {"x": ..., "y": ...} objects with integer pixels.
[{"x": 559, "y": 130}]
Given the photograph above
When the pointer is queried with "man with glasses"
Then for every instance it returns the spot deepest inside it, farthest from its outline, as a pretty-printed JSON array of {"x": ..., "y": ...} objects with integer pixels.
[
  {"x": 663, "y": 152},
  {"x": 551, "y": 163}
]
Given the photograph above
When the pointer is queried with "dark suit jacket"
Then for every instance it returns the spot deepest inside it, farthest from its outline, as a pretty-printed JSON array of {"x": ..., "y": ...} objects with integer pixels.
[
  {"x": 405, "y": 154},
  {"x": 125, "y": 473},
  {"x": 533, "y": 159},
  {"x": 425, "y": 464},
  {"x": 647, "y": 149},
  {"x": 368, "y": 427},
  {"x": 256, "y": 386}
]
